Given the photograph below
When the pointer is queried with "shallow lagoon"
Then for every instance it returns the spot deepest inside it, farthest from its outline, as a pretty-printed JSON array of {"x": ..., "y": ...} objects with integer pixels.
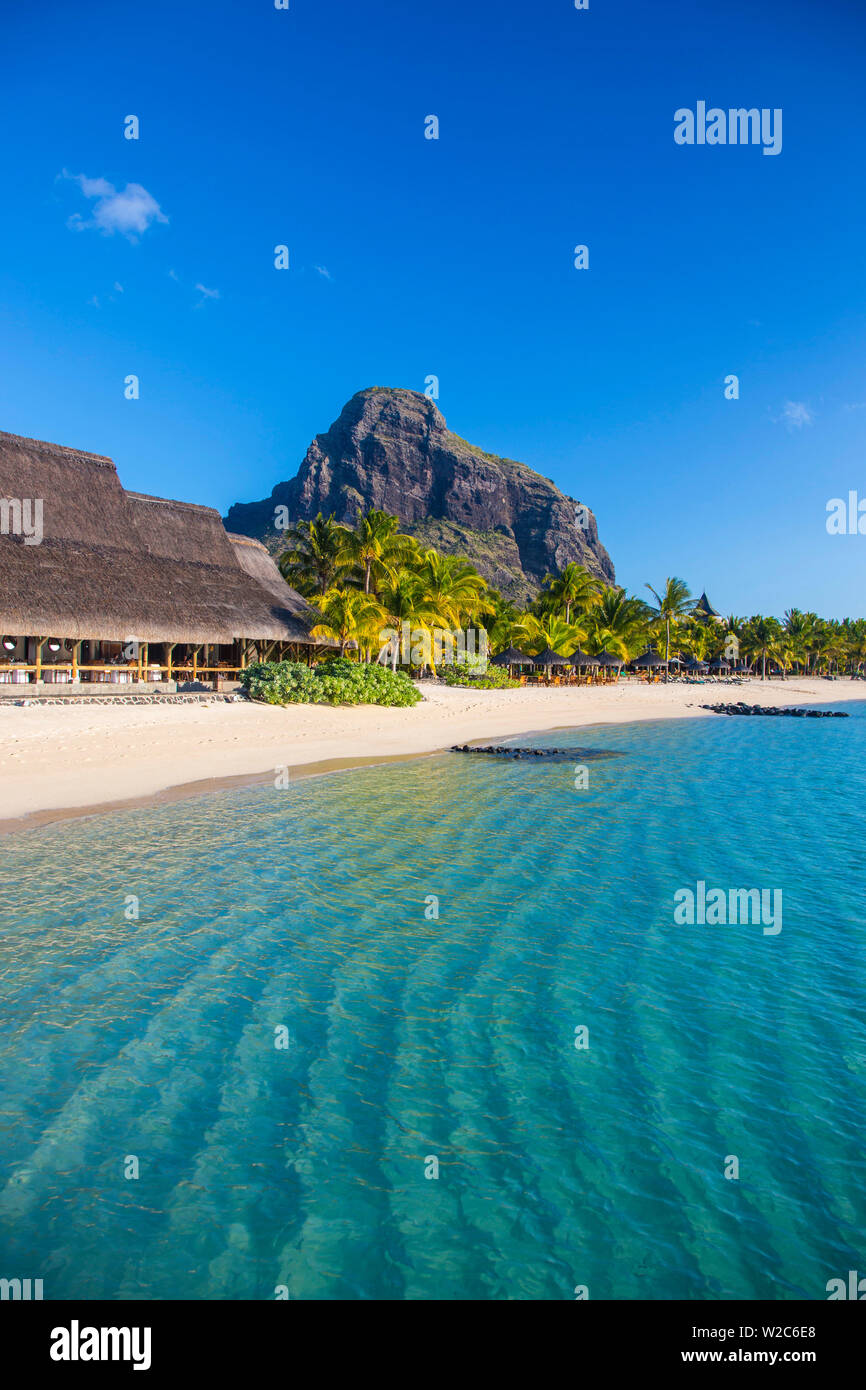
[{"x": 305, "y": 917}]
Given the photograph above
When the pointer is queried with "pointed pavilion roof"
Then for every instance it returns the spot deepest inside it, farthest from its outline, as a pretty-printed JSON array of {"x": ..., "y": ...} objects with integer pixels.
[{"x": 704, "y": 610}]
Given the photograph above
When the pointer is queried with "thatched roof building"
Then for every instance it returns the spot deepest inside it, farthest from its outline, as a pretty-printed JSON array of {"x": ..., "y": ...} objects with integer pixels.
[
  {"x": 705, "y": 612},
  {"x": 114, "y": 565}
]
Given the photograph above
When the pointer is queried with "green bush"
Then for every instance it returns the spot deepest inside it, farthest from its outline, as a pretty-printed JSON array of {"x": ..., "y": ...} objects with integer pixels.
[
  {"x": 493, "y": 678},
  {"x": 333, "y": 682}
]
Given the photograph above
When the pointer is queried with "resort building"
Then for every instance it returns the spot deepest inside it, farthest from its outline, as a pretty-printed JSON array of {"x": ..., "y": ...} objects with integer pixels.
[
  {"x": 705, "y": 612},
  {"x": 98, "y": 584}
]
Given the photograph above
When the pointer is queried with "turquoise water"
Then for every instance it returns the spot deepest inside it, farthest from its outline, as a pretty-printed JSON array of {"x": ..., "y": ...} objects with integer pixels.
[{"x": 411, "y": 1037}]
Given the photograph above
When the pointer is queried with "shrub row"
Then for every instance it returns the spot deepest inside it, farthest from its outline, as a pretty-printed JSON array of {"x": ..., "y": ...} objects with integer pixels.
[
  {"x": 493, "y": 678},
  {"x": 336, "y": 682}
]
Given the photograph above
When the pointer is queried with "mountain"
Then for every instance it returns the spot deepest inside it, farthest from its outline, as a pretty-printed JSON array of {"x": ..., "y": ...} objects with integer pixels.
[{"x": 391, "y": 449}]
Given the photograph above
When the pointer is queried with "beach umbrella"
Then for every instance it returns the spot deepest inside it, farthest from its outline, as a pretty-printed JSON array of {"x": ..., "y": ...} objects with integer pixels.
[
  {"x": 607, "y": 659},
  {"x": 647, "y": 661},
  {"x": 580, "y": 658},
  {"x": 549, "y": 658},
  {"x": 511, "y": 657},
  {"x": 696, "y": 665},
  {"x": 718, "y": 665}
]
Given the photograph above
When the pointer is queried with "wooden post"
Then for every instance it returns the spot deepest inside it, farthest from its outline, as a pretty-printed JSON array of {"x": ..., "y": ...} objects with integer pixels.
[
  {"x": 40, "y": 643},
  {"x": 195, "y": 663},
  {"x": 169, "y": 650},
  {"x": 140, "y": 651},
  {"x": 244, "y": 654},
  {"x": 76, "y": 657}
]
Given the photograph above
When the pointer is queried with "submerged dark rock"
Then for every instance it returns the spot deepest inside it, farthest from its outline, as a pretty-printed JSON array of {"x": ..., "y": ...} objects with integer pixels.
[{"x": 561, "y": 755}]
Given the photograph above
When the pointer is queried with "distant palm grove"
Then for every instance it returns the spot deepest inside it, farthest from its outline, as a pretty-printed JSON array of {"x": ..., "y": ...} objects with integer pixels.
[{"x": 369, "y": 578}]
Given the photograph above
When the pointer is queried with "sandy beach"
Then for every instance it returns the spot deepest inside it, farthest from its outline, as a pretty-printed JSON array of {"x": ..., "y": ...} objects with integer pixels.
[{"x": 57, "y": 760}]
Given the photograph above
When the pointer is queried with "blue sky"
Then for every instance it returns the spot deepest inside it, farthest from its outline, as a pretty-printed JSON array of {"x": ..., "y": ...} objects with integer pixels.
[{"x": 412, "y": 257}]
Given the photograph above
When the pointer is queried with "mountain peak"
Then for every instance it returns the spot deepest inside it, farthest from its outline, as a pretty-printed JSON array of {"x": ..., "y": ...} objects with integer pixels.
[{"x": 390, "y": 448}]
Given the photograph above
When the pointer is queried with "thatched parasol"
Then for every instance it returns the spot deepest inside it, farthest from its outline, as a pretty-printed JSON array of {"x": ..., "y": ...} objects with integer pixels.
[
  {"x": 511, "y": 657},
  {"x": 583, "y": 659},
  {"x": 549, "y": 658}
]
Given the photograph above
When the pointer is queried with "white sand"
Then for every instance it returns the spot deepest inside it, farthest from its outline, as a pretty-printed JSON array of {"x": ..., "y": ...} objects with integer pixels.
[{"x": 53, "y": 759}]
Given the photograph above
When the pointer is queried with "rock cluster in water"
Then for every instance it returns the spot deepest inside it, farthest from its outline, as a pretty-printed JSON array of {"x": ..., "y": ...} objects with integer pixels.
[
  {"x": 557, "y": 754},
  {"x": 742, "y": 708}
]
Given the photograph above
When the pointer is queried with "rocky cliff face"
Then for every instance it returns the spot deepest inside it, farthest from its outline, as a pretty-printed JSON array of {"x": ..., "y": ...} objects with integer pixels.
[{"x": 391, "y": 449}]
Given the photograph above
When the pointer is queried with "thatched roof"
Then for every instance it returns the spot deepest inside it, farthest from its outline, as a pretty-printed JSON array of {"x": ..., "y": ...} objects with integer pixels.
[
  {"x": 116, "y": 565},
  {"x": 704, "y": 610},
  {"x": 549, "y": 658},
  {"x": 648, "y": 660},
  {"x": 583, "y": 659},
  {"x": 511, "y": 657}
]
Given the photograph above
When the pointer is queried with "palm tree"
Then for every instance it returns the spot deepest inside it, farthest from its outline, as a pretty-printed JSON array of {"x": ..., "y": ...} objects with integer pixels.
[
  {"x": 507, "y": 625},
  {"x": 376, "y": 548},
  {"x": 812, "y": 628},
  {"x": 405, "y": 600},
  {"x": 823, "y": 644},
  {"x": 617, "y": 624},
  {"x": 673, "y": 604},
  {"x": 699, "y": 639},
  {"x": 553, "y": 631},
  {"x": 348, "y": 615},
  {"x": 312, "y": 561},
  {"x": 452, "y": 585},
  {"x": 762, "y": 637},
  {"x": 858, "y": 646},
  {"x": 573, "y": 587},
  {"x": 799, "y": 631}
]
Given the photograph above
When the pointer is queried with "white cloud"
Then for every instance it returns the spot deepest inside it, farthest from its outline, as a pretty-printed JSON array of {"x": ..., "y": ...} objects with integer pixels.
[
  {"x": 118, "y": 287},
  {"x": 173, "y": 275},
  {"x": 129, "y": 211},
  {"x": 796, "y": 414},
  {"x": 206, "y": 294},
  {"x": 323, "y": 270}
]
